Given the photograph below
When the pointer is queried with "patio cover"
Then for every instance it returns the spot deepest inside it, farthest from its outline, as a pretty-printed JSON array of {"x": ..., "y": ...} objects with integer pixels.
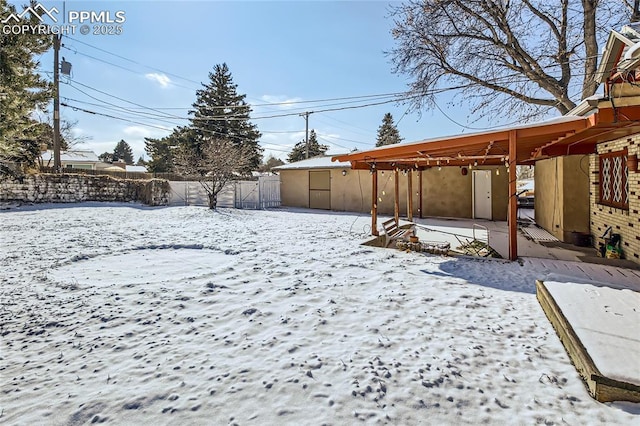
[{"x": 511, "y": 146}]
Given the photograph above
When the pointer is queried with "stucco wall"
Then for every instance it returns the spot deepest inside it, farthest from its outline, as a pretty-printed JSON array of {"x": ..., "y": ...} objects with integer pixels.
[
  {"x": 294, "y": 188},
  {"x": 448, "y": 192},
  {"x": 352, "y": 192},
  {"x": 445, "y": 192},
  {"x": 576, "y": 193},
  {"x": 70, "y": 188},
  {"x": 624, "y": 222},
  {"x": 561, "y": 197},
  {"x": 548, "y": 196},
  {"x": 500, "y": 193}
]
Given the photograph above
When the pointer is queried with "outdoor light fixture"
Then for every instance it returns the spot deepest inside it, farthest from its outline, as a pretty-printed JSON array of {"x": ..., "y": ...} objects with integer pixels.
[
  {"x": 344, "y": 173},
  {"x": 475, "y": 163}
]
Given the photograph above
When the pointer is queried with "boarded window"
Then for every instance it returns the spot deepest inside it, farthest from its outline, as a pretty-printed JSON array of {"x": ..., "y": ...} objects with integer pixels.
[{"x": 614, "y": 180}]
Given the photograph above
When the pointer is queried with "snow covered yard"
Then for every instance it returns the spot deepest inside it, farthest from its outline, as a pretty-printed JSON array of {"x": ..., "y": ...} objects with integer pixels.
[{"x": 124, "y": 314}]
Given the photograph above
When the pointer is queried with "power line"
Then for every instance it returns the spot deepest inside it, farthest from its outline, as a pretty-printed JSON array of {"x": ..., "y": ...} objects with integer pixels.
[
  {"x": 119, "y": 66},
  {"x": 135, "y": 62},
  {"x": 77, "y": 108}
]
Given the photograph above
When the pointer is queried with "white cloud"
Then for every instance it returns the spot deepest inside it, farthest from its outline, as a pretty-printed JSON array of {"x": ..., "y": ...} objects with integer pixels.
[
  {"x": 282, "y": 101},
  {"x": 137, "y": 131},
  {"x": 159, "y": 78}
]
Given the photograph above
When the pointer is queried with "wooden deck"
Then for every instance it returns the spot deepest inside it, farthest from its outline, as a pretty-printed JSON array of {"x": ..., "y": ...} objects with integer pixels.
[{"x": 601, "y": 387}]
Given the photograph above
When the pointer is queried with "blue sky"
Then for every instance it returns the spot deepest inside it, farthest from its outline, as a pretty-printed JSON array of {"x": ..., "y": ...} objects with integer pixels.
[{"x": 277, "y": 51}]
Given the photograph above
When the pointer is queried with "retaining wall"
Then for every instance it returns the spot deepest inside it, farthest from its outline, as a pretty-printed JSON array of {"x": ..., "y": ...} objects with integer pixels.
[{"x": 49, "y": 188}]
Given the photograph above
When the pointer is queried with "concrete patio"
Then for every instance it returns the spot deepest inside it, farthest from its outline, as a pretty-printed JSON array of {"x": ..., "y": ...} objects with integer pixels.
[{"x": 446, "y": 229}]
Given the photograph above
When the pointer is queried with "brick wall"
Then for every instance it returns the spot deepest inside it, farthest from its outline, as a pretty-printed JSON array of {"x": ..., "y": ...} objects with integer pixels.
[
  {"x": 624, "y": 222},
  {"x": 69, "y": 188}
]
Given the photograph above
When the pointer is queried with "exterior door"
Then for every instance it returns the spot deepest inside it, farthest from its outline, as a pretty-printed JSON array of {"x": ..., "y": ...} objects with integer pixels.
[
  {"x": 320, "y": 189},
  {"x": 482, "y": 194}
]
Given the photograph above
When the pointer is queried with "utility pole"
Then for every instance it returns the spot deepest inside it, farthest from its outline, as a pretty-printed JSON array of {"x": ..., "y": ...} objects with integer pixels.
[
  {"x": 56, "y": 103},
  {"x": 306, "y": 138}
]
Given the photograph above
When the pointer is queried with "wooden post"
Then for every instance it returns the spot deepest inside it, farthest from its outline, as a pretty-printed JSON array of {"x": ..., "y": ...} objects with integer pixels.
[
  {"x": 374, "y": 202},
  {"x": 512, "y": 219},
  {"x": 420, "y": 193},
  {"x": 396, "y": 196},
  {"x": 409, "y": 196}
]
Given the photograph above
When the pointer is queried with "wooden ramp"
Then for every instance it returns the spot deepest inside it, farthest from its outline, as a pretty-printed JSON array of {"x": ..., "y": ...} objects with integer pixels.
[{"x": 598, "y": 326}]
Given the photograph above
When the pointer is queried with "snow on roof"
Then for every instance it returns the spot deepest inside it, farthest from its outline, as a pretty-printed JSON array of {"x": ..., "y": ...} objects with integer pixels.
[
  {"x": 141, "y": 169},
  {"x": 84, "y": 156},
  {"x": 556, "y": 120},
  {"x": 322, "y": 162}
]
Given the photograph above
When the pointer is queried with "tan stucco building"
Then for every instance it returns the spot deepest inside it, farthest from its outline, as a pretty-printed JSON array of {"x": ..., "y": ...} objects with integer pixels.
[{"x": 445, "y": 192}]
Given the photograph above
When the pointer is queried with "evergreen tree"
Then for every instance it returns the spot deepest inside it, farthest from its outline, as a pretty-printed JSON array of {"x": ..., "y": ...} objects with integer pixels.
[
  {"x": 141, "y": 161},
  {"x": 388, "y": 132},
  {"x": 270, "y": 164},
  {"x": 220, "y": 112},
  {"x": 161, "y": 151},
  {"x": 106, "y": 157},
  {"x": 299, "y": 151},
  {"x": 22, "y": 91},
  {"x": 214, "y": 163},
  {"x": 123, "y": 152}
]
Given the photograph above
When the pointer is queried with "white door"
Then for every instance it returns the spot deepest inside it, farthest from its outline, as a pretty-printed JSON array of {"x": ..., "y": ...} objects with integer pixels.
[{"x": 482, "y": 194}]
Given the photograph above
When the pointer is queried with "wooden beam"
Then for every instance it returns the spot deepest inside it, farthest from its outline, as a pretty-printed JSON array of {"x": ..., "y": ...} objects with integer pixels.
[
  {"x": 512, "y": 218},
  {"x": 374, "y": 202},
  {"x": 602, "y": 388},
  {"x": 410, "y": 195},
  {"x": 420, "y": 194},
  {"x": 396, "y": 195}
]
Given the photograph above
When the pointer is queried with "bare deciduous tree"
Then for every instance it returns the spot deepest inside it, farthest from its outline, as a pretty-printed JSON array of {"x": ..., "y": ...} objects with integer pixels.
[
  {"x": 522, "y": 57},
  {"x": 214, "y": 163}
]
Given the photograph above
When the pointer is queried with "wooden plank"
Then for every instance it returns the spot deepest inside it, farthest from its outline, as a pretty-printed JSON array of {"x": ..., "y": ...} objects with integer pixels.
[
  {"x": 513, "y": 190},
  {"x": 396, "y": 193},
  {"x": 410, "y": 195},
  {"x": 374, "y": 202},
  {"x": 420, "y": 193},
  {"x": 608, "y": 390},
  {"x": 576, "y": 351},
  {"x": 600, "y": 387}
]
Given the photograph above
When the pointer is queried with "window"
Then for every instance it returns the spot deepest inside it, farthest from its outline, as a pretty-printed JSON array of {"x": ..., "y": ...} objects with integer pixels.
[{"x": 614, "y": 185}]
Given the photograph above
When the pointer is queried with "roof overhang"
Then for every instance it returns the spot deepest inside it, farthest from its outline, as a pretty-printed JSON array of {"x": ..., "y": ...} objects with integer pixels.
[
  {"x": 611, "y": 54},
  {"x": 566, "y": 135}
]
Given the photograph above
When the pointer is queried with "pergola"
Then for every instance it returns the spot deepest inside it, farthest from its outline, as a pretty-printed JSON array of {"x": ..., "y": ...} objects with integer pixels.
[{"x": 516, "y": 145}]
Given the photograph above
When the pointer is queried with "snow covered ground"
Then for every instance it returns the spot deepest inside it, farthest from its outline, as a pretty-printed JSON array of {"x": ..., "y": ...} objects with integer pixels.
[{"x": 125, "y": 314}]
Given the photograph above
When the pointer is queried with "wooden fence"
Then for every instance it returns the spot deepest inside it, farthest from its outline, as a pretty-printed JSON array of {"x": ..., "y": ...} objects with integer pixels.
[{"x": 120, "y": 175}]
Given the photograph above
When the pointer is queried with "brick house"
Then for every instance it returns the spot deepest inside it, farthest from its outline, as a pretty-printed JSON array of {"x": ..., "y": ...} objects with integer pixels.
[{"x": 586, "y": 162}]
